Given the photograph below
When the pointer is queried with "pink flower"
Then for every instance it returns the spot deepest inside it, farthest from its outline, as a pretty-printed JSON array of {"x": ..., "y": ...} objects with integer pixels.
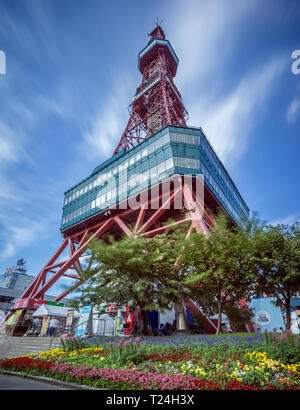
[{"x": 282, "y": 337}]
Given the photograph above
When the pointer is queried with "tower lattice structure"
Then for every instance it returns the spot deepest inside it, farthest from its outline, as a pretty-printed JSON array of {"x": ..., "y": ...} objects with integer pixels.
[{"x": 157, "y": 101}]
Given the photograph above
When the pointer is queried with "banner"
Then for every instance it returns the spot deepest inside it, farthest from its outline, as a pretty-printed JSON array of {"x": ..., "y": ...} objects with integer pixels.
[
  {"x": 12, "y": 320},
  {"x": 84, "y": 317},
  {"x": 267, "y": 316},
  {"x": 129, "y": 319},
  {"x": 46, "y": 320},
  {"x": 69, "y": 320}
]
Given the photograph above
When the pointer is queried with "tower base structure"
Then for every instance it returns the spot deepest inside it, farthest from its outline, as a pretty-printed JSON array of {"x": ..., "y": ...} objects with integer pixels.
[{"x": 141, "y": 220}]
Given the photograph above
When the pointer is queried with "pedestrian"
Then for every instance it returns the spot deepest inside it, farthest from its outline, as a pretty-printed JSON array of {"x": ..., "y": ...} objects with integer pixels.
[
  {"x": 136, "y": 329},
  {"x": 174, "y": 325},
  {"x": 162, "y": 330},
  {"x": 53, "y": 325},
  {"x": 36, "y": 326}
]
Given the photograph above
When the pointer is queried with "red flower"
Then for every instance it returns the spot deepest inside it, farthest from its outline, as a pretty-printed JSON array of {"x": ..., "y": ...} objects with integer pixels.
[{"x": 26, "y": 363}]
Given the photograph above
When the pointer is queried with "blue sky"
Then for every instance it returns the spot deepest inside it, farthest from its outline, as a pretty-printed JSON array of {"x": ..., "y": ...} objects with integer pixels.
[{"x": 71, "y": 72}]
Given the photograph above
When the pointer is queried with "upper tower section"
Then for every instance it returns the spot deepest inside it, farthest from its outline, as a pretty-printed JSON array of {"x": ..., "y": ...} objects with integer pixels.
[
  {"x": 158, "y": 44},
  {"x": 157, "y": 101}
]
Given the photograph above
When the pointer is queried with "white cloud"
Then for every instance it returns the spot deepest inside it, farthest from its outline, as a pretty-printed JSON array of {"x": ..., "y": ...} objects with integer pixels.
[
  {"x": 8, "y": 147},
  {"x": 7, "y": 252},
  {"x": 53, "y": 105},
  {"x": 11, "y": 149},
  {"x": 293, "y": 111},
  {"x": 18, "y": 196},
  {"x": 288, "y": 220},
  {"x": 203, "y": 33},
  {"x": 226, "y": 104},
  {"x": 19, "y": 233},
  {"x": 228, "y": 120},
  {"x": 8, "y": 190},
  {"x": 106, "y": 127}
]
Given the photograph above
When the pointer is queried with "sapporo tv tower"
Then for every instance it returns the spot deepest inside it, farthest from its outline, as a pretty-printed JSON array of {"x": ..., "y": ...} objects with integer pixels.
[{"x": 156, "y": 147}]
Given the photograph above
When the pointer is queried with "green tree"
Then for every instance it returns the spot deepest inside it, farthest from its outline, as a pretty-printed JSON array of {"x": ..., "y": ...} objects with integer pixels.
[
  {"x": 277, "y": 256},
  {"x": 138, "y": 271},
  {"x": 219, "y": 265}
]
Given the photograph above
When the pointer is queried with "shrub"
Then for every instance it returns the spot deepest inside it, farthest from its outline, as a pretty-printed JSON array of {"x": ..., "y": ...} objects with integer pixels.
[{"x": 74, "y": 343}]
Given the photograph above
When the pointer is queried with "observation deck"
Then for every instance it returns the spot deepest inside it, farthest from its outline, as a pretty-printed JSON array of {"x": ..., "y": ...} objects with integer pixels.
[{"x": 172, "y": 151}]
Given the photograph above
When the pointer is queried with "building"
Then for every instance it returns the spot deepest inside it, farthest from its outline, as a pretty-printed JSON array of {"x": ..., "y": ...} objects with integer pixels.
[
  {"x": 171, "y": 151},
  {"x": 12, "y": 286},
  {"x": 14, "y": 280}
]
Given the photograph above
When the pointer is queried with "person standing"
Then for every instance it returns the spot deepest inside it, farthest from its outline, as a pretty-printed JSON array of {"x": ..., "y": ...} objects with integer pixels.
[
  {"x": 53, "y": 325},
  {"x": 36, "y": 326}
]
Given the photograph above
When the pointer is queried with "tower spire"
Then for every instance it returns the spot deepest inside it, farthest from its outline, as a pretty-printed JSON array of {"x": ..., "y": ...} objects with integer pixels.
[
  {"x": 157, "y": 101},
  {"x": 157, "y": 33}
]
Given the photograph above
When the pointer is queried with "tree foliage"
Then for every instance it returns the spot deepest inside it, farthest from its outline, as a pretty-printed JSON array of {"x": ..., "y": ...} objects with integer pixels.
[
  {"x": 218, "y": 264},
  {"x": 276, "y": 250},
  {"x": 218, "y": 271},
  {"x": 138, "y": 271}
]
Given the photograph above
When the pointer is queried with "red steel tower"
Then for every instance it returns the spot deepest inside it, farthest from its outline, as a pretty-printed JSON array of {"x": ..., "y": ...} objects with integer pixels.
[
  {"x": 156, "y": 149},
  {"x": 157, "y": 101}
]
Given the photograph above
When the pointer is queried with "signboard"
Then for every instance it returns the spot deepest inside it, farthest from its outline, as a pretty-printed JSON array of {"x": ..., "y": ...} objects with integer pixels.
[
  {"x": 29, "y": 303},
  {"x": 84, "y": 317},
  {"x": 49, "y": 302},
  {"x": 69, "y": 320},
  {"x": 104, "y": 308},
  {"x": 112, "y": 308},
  {"x": 34, "y": 303},
  {"x": 267, "y": 316}
]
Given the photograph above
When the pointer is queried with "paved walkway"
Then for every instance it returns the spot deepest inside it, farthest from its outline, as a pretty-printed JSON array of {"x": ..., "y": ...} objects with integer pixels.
[{"x": 8, "y": 382}]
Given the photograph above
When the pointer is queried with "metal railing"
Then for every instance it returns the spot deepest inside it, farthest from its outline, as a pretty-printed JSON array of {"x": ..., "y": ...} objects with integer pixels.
[{"x": 88, "y": 329}]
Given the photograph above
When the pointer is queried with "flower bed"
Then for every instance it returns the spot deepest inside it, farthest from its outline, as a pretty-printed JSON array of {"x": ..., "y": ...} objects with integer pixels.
[{"x": 157, "y": 364}]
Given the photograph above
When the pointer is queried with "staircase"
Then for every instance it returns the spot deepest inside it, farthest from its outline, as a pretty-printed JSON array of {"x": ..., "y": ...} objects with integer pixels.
[{"x": 12, "y": 346}]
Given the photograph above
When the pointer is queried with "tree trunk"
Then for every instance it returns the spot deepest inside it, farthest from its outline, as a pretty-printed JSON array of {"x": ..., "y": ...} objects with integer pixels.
[
  {"x": 288, "y": 313},
  {"x": 220, "y": 305},
  {"x": 145, "y": 322}
]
